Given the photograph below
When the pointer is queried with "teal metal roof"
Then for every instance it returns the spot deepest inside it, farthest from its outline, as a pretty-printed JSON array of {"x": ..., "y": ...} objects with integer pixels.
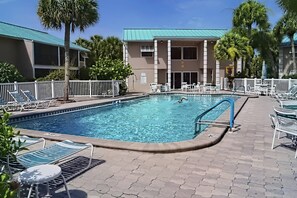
[
  {"x": 142, "y": 34},
  {"x": 18, "y": 32},
  {"x": 286, "y": 40}
]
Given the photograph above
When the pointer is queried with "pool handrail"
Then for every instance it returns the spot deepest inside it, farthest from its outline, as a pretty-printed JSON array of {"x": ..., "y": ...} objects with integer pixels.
[{"x": 198, "y": 120}]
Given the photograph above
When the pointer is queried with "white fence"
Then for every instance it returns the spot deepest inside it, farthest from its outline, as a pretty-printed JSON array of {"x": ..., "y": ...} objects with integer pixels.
[
  {"x": 245, "y": 84},
  {"x": 55, "y": 89}
]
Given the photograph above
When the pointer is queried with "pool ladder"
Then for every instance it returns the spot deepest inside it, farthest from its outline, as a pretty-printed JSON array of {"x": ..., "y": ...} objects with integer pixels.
[{"x": 199, "y": 121}]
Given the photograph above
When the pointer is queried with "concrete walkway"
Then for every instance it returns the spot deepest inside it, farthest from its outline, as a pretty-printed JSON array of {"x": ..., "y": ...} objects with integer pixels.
[{"x": 241, "y": 165}]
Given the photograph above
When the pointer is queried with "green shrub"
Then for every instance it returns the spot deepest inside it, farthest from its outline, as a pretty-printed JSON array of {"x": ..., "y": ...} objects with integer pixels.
[
  {"x": 108, "y": 69},
  {"x": 8, "y": 147},
  {"x": 293, "y": 76},
  {"x": 9, "y": 73},
  {"x": 123, "y": 88},
  {"x": 57, "y": 74},
  {"x": 84, "y": 73}
]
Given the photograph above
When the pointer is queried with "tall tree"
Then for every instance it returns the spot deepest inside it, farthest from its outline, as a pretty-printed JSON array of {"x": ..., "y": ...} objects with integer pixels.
[
  {"x": 287, "y": 25},
  {"x": 70, "y": 15},
  {"x": 231, "y": 47},
  {"x": 288, "y": 5},
  {"x": 248, "y": 19},
  {"x": 100, "y": 48}
]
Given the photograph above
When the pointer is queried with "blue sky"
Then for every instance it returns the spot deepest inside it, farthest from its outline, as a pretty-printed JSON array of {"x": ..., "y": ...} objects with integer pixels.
[{"x": 118, "y": 14}]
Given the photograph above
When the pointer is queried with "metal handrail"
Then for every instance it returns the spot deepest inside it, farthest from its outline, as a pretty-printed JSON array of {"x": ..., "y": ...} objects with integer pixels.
[{"x": 199, "y": 121}]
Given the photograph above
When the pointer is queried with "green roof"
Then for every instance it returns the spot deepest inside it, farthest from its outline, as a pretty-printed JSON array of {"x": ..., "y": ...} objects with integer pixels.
[
  {"x": 18, "y": 32},
  {"x": 286, "y": 40},
  {"x": 142, "y": 34}
]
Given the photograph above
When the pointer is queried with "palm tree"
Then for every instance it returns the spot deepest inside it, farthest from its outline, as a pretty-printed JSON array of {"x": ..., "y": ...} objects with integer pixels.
[
  {"x": 287, "y": 25},
  {"x": 288, "y": 5},
  {"x": 70, "y": 15},
  {"x": 113, "y": 48},
  {"x": 231, "y": 47},
  {"x": 248, "y": 19}
]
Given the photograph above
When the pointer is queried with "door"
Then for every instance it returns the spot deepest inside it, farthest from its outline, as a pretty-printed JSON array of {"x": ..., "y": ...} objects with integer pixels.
[{"x": 176, "y": 79}]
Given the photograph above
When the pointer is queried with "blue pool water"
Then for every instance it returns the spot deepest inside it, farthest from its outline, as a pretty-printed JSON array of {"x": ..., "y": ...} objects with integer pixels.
[{"x": 151, "y": 119}]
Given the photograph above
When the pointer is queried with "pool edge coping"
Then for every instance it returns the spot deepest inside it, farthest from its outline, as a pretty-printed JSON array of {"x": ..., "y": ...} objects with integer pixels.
[{"x": 211, "y": 136}]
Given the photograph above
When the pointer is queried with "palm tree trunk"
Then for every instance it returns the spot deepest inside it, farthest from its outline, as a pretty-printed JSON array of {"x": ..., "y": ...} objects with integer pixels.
[{"x": 67, "y": 61}]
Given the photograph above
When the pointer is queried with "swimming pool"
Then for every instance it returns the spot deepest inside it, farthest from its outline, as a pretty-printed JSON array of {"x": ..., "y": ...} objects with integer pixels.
[{"x": 153, "y": 119}]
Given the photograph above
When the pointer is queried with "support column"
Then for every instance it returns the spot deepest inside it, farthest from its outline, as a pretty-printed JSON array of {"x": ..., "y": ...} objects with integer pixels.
[
  {"x": 239, "y": 65},
  {"x": 155, "y": 61},
  {"x": 59, "y": 57},
  {"x": 281, "y": 63},
  {"x": 205, "y": 62},
  {"x": 169, "y": 63},
  {"x": 126, "y": 54},
  {"x": 217, "y": 72}
]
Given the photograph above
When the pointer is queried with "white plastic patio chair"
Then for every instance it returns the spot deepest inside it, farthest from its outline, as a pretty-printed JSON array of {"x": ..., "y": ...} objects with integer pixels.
[{"x": 281, "y": 126}]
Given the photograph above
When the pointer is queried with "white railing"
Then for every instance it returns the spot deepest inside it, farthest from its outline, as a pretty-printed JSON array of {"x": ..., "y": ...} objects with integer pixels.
[
  {"x": 55, "y": 89},
  {"x": 246, "y": 84}
]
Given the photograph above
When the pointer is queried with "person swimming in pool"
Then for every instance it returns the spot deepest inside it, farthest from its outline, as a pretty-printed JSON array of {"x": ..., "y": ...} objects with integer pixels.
[{"x": 181, "y": 100}]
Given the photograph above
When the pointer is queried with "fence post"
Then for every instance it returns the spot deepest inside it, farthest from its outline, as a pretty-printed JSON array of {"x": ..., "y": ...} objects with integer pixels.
[
  {"x": 290, "y": 84},
  {"x": 245, "y": 85},
  {"x": 272, "y": 83},
  {"x": 53, "y": 88},
  {"x": 15, "y": 86},
  {"x": 90, "y": 87},
  {"x": 112, "y": 84},
  {"x": 36, "y": 89}
]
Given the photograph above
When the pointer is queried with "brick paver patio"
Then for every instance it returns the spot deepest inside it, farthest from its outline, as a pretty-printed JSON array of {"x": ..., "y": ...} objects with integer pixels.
[{"x": 241, "y": 165}]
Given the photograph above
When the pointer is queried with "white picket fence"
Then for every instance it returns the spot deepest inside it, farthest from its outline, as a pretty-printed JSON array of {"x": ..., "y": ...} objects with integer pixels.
[
  {"x": 54, "y": 89},
  {"x": 245, "y": 84}
]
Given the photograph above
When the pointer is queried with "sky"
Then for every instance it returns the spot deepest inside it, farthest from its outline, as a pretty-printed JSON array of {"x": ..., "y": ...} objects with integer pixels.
[{"x": 115, "y": 15}]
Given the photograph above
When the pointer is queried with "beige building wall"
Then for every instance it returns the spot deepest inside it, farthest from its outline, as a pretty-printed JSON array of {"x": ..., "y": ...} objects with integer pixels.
[
  {"x": 8, "y": 50},
  {"x": 25, "y": 59},
  {"x": 15, "y": 52},
  {"x": 143, "y": 67}
]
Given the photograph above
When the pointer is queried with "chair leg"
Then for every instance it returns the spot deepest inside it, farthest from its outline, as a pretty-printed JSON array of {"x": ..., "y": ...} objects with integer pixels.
[
  {"x": 273, "y": 139},
  {"x": 30, "y": 190},
  {"x": 36, "y": 190},
  {"x": 66, "y": 186}
]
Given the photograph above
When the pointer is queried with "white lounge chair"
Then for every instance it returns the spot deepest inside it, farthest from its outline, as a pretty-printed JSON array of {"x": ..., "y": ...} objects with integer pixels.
[{"x": 283, "y": 127}]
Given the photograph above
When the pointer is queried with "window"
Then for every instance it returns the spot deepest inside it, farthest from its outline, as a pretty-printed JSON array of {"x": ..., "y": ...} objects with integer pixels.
[
  {"x": 142, "y": 78},
  {"x": 147, "y": 54},
  {"x": 45, "y": 54},
  {"x": 176, "y": 53},
  {"x": 189, "y": 53},
  {"x": 147, "y": 51}
]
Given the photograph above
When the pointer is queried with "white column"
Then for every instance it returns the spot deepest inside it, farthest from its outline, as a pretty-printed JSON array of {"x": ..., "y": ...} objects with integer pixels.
[
  {"x": 169, "y": 63},
  {"x": 155, "y": 61},
  {"x": 281, "y": 62},
  {"x": 239, "y": 65},
  {"x": 217, "y": 72},
  {"x": 126, "y": 54},
  {"x": 205, "y": 62},
  {"x": 59, "y": 57}
]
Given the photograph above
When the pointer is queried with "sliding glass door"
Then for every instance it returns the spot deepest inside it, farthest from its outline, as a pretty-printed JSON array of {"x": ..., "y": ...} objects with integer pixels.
[{"x": 178, "y": 77}]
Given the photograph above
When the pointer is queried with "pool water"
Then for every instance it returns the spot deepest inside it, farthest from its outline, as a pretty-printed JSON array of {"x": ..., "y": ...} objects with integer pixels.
[{"x": 153, "y": 119}]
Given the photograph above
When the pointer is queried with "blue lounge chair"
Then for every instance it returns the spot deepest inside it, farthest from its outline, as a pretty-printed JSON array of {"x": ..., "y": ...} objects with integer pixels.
[
  {"x": 29, "y": 141},
  {"x": 53, "y": 153},
  {"x": 19, "y": 100},
  {"x": 31, "y": 98}
]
